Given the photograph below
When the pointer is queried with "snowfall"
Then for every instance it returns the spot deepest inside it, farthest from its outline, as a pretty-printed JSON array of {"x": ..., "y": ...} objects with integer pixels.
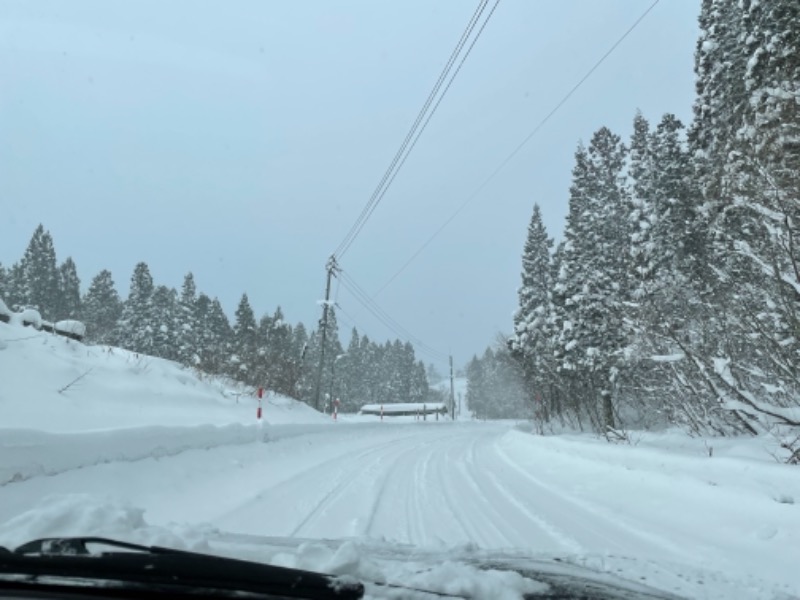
[{"x": 103, "y": 442}]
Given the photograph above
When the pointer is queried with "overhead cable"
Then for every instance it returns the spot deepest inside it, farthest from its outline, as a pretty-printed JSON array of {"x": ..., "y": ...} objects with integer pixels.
[
  {"x": 416, "y": 130},
  {"x": 519, "y": 147},
  {"x": 425, "y": 124},
  {"x": 383, "y": 317}
]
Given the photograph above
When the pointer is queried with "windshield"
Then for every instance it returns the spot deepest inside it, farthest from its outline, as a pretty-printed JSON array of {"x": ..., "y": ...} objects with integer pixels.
[{"x": 400, "y": 290}]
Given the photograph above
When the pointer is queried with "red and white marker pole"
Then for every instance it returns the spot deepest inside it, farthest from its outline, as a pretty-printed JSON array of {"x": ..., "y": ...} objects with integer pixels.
[{"x": 260, "y": 394}]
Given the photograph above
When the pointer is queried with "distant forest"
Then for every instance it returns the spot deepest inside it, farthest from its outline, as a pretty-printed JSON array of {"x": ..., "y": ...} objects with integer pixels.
[{"x": 191, "y": 328}]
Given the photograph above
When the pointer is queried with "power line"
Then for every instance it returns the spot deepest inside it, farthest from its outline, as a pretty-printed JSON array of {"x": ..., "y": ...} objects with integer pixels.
[
  {"x": 425, "y": 124},
  {"x": 360, "y": 295},
  {"x": 407, "y": 145},
  {"x": 519, "y": 147},
  {"x": 362, "y": 217},
  {"x": 383, "y": 317}
]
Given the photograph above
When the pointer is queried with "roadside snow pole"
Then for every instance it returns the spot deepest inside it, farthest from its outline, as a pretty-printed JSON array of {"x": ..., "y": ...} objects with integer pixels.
[
  {"x": 381, "y": 412},
  {"x": 258, "y": 410},
  {"x": 424, "y": 412}
]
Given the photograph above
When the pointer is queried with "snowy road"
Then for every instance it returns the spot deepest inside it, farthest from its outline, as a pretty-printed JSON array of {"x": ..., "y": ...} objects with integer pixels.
[{"x": 433, "y": 485}]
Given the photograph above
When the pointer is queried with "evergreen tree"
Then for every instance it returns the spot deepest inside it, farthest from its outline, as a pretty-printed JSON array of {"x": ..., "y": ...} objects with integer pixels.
[
  {"x": 530, "y": 343},
  {"x": 418, "y": 390},
  {"x": 163, "y": 322},
  {"x": 38, "y": 276},
  {"x": 15, "y": 287},
  {"x": 244, "y": 342},
  {"x": 371, "y": 377},
  {"x": 214, "y": 339},
  {"x": 745, "y": 143},
  {"x": 769, "y": 40},
  {"x": 593, "y": 282},
  {"x": 333, "y": 348},
  {"x": 4, "y": 284},
  {"x": 136, "y": 330},
  {"x": 476, "y": 388},
  {"x": 262, "y": 368},
  {"x": 720, "y": 66},
  {"x": 642, "y": 189},
  {"x": 69, "y": 292},
  {"x": 101, "y": 309},
  {"x": 348, "y": 374},
  {"x": 188, "y": 327},
  {"x": 282, "y": 361}
]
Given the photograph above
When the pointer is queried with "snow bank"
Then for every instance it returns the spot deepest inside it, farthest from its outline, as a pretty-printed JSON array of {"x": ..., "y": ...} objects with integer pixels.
[
  {"x": 29, "y": 316},
  {"x": 86, "y": 515},
  {"x": 52, "y": 383},
  {"x": 26, "y": 453}
]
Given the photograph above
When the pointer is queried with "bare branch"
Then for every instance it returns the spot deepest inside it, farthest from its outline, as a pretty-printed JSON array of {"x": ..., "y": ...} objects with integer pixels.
[{"x": 74, "y": 381}]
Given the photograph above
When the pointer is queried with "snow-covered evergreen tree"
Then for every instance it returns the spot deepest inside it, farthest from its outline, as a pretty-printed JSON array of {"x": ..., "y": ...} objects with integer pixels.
[
  {"x": 136, "y": 325},
  {"x": 69, "y": 292},
  {"x": 244, "y": 342},
  {"x": 530, "y": 343},
  {"x": 164, "y": 322},
  {"x": 37, "y": 278},
  {"x": 187, "y": 333},
  {"x": 4, "y": 284},
  {"x": 593, "y": 284},
  {"x": 101, "y": 309},
  {"x": 214, "y": 335}
]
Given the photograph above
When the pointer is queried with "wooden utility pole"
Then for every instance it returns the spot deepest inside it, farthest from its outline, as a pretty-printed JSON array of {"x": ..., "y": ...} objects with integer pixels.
[
  {"x": 452, "y": 391},
  {"x": 331, "y": 268}
]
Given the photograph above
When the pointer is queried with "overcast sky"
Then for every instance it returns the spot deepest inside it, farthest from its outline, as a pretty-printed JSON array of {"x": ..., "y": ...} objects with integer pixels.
[{"x": 240, "y": 140}]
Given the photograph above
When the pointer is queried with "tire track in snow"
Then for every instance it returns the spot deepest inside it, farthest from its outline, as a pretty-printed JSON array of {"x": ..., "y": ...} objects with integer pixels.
[
  {"x": 509, "y": 507},
  {"x": 356, "y": 474},
  {"x": 506, "y": 521},
  {"x": 592, "y": 523},
  {"x": 383, "y": 486},
  {"x": 448, "y": 484},
  {"x": 404, "y": 492},
  {"x": 317, "y": 482}
]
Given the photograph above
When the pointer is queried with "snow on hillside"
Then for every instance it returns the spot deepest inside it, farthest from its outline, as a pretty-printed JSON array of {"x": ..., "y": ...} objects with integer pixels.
[{"x": 54, "y": 384}]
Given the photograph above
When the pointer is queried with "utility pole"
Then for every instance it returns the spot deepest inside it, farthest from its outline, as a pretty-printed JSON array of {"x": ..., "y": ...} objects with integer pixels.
[
  {"x": 452, "y": 391},
  {"x": 331, "y": 268}
]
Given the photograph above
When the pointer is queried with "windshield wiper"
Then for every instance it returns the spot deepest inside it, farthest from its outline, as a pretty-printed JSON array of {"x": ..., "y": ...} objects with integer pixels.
[{"x": 132, "y": 568}]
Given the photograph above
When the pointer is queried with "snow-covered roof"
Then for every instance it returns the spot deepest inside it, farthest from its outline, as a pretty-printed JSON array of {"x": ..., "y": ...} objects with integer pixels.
[
  {"x": 71, "y": 326},
  {"x": 404, "y": 408}
]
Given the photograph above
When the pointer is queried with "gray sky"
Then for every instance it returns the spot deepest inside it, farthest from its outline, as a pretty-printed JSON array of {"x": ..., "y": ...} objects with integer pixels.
[{"x": 241, "y": 139}]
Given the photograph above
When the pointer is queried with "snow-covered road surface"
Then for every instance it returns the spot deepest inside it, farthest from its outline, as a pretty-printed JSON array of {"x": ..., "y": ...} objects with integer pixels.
[{"x": 448, "y": 487}]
